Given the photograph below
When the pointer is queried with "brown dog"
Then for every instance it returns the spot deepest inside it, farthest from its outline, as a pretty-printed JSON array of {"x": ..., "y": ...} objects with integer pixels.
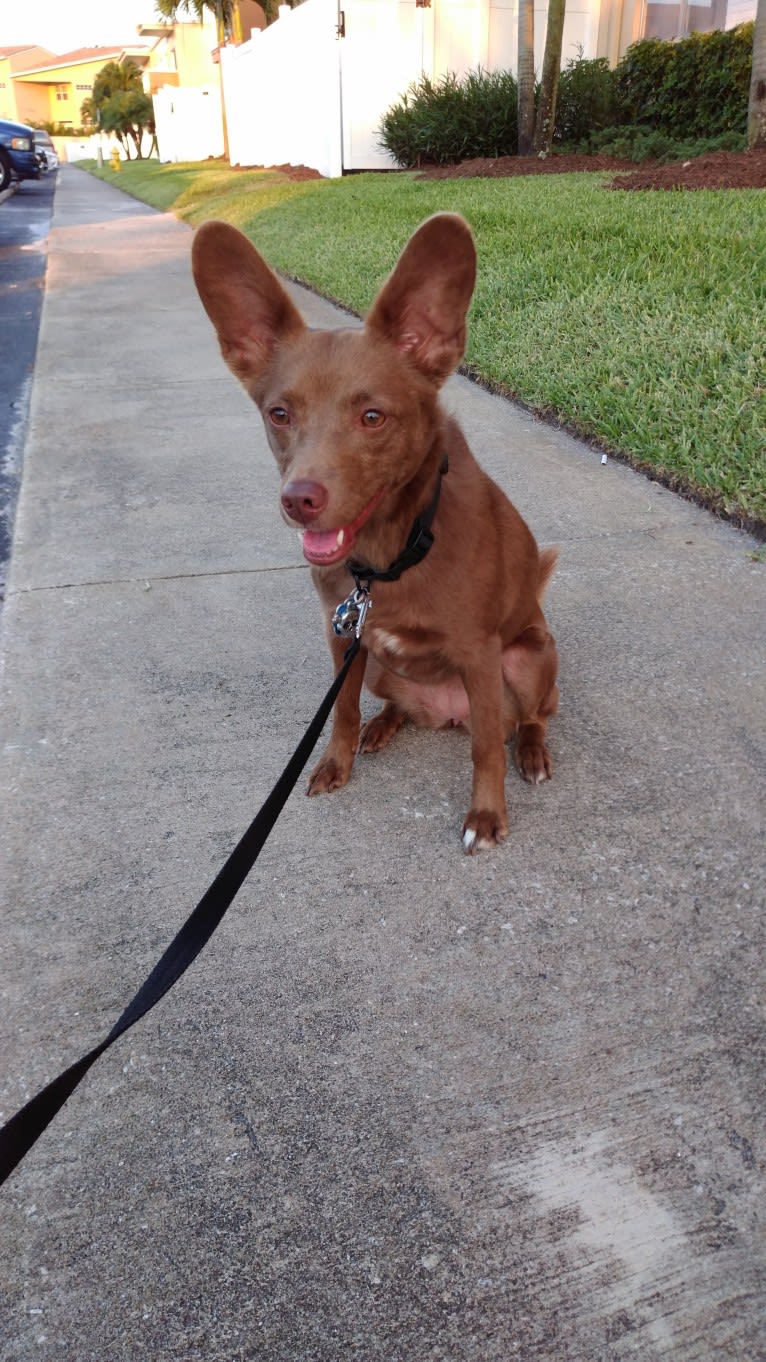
[{"x": 371, "y": 464}]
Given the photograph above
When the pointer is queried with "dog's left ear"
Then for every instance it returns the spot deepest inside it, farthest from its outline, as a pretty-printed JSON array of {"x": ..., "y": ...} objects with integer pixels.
[{"x": 422, "y": 307}]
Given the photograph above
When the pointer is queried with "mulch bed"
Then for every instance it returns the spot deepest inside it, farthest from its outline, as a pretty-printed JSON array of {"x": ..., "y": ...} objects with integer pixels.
[
  {"x": 289, "y": 172},
  {"x": 298, "y": 172},
  {"x": 500, "y": 167},
  {"x": 716, "y": 170}
]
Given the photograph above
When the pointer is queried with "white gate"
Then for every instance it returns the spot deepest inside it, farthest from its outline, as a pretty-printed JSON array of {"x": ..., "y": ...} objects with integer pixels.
[{"x": 386, "y": 45}]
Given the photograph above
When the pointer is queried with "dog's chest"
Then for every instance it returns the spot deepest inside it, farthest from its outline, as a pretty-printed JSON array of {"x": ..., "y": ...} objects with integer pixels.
[{"x": 416, "y": 653}]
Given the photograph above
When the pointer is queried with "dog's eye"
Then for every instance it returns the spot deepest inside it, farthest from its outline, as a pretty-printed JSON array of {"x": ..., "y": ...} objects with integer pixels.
[
  {"x": 372, "y": 418},
  {"x": 279, "y": 416}
]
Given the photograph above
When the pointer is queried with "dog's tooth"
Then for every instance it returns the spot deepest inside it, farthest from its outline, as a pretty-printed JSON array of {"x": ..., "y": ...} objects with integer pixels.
[{"x": 341, "y": 538}]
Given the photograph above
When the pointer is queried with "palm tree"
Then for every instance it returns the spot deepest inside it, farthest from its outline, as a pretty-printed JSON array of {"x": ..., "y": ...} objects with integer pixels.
[
  {"x": 756, "y": 114},
  {"x": 226, "y": 13},
  {"x": 222, "y": 9},
  {"x": 526, "y": 75},
  {"x": 118, "y": 104},
  {"x": 115, "y": 77},
  {"x": 549, "y": 85}
]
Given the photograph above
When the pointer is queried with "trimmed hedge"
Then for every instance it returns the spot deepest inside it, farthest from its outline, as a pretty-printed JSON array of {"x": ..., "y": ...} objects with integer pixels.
[{"x": 694, "y": 88}]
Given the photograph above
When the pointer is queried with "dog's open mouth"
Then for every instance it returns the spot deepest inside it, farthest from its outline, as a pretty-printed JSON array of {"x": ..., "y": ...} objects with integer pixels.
[{"x": 324, "y": 547}]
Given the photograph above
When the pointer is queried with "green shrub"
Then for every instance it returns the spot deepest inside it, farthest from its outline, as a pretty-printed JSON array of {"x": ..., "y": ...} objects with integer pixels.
[
  {"x": 449, "y": 120},
  {"x": 586, "y": 99},
  {"x": 618, "y": 140},
  {"x": 640, "y": 142},
  {"x": 697, "y": 87}
]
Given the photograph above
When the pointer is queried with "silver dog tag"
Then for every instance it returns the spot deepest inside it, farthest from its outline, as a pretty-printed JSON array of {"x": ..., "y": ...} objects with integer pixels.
[{"x": 350, "y": 615}]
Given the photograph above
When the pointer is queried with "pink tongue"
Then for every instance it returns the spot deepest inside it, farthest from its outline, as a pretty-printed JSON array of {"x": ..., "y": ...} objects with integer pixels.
[
  {"x": 323, "y": 543},
  {"x": 331, "y": 546}
]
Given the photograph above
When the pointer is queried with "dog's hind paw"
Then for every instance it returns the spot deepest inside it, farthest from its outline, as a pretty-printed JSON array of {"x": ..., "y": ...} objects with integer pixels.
[
  {"x": 534, "y": 763},
  {"x": 377, "y": 732},
  {"x": 483, "y": 830},
  {"x": 531, "y": 754}
]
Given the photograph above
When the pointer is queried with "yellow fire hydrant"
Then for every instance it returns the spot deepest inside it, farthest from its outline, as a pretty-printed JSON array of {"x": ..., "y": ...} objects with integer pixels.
[{"x": 115, "y": 160}]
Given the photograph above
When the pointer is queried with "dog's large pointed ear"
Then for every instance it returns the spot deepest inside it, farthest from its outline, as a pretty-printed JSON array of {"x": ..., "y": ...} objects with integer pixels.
[
  {"x": 422, "y": 307},
  {"x": 244, "y": 300}
]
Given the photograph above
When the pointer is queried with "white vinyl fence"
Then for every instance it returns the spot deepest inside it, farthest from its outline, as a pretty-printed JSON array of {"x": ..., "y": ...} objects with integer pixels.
[
  {"x": 311, "y": 88},
  {"x": 189, "y": 122},
  {"x": 282, "y": 92}
]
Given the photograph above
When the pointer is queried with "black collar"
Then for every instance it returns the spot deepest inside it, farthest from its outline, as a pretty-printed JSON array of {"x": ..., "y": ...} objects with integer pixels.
[{"x": 417, "y": 546}]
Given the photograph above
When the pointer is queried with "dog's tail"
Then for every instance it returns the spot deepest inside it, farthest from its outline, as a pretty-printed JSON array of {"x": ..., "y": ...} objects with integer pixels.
[{"x": 548, "y": 560}]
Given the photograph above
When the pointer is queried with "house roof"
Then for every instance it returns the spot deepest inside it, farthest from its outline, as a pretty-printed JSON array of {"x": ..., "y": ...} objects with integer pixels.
[
  {"x": 23, "y": 47},
  {"x": 81, "y": 55}
]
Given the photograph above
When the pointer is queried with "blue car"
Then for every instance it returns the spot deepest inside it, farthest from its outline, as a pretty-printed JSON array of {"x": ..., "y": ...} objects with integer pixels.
[{"x": 18, "y": 157}]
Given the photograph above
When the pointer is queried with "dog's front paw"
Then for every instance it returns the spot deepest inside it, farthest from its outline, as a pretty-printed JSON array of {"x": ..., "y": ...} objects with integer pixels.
[
  {"x": 329, "y": 774},
  {"x": 482, "y": 830}
]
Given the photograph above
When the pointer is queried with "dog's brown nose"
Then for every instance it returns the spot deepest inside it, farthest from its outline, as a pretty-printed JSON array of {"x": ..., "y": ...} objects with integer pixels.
[{"x": 304, "y": 500}]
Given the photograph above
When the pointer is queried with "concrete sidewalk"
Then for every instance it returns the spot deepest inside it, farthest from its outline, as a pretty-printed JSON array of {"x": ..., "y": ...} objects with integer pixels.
[{"x": 408, "y": 1106}]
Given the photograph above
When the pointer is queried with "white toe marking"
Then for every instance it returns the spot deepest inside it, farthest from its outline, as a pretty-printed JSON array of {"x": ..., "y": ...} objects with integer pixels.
[{"x": 469, "y": 837}]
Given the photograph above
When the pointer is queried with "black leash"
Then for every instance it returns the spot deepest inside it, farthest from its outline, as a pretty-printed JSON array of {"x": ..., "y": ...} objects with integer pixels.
[
  {"x": 26, "y": 1127},
  {"x": 23, "y": 1129}
]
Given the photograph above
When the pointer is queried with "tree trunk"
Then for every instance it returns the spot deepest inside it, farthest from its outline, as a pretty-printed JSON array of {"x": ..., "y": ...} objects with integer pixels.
[
  {"x": 549, "y": 86},
  {"x": 526, "y": 76},
  {"x": 756, "y": 114}
]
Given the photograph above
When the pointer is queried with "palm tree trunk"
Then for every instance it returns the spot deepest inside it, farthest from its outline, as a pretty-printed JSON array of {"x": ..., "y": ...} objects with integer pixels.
[
  {"x": 526, "y": 76},
  {"x": 549, "y": 86},
  {"x": 756, "y": 114}
]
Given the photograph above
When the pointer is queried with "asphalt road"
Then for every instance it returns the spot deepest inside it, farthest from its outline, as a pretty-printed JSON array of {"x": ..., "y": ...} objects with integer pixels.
[{"x": 24, "y": 224}]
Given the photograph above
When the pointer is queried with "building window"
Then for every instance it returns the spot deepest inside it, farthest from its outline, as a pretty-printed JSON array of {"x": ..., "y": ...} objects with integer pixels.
[
  {"x": 62, "y": 92},
  {"x": 678, "y": 18},
  {"x": 84, "y": 87}
]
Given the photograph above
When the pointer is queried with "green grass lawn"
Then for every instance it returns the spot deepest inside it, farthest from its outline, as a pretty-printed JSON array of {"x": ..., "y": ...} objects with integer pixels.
[{"x": 634, "y": 319}]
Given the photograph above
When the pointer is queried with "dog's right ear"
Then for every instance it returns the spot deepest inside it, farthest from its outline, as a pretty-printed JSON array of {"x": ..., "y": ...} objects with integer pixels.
[{"x": 244, "y": 300}]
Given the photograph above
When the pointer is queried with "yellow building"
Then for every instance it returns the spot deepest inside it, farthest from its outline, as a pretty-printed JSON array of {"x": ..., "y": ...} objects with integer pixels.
[
  {"x": 13, "y": 59},
  {"x": 185, "y": 54},
  {"x": 38, "y": 87},
  {"x": 180, "y": 54},
  {"x": 53, "y": 90}
]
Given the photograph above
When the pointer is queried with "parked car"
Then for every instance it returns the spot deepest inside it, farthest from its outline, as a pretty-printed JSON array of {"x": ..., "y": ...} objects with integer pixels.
[
  {"x": 45, "y": 150},
  {"x": 18, "y": 157}
]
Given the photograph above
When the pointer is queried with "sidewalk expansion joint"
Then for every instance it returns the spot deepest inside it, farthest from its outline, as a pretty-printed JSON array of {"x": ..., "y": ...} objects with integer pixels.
[{"x": 147, "y": 582}]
